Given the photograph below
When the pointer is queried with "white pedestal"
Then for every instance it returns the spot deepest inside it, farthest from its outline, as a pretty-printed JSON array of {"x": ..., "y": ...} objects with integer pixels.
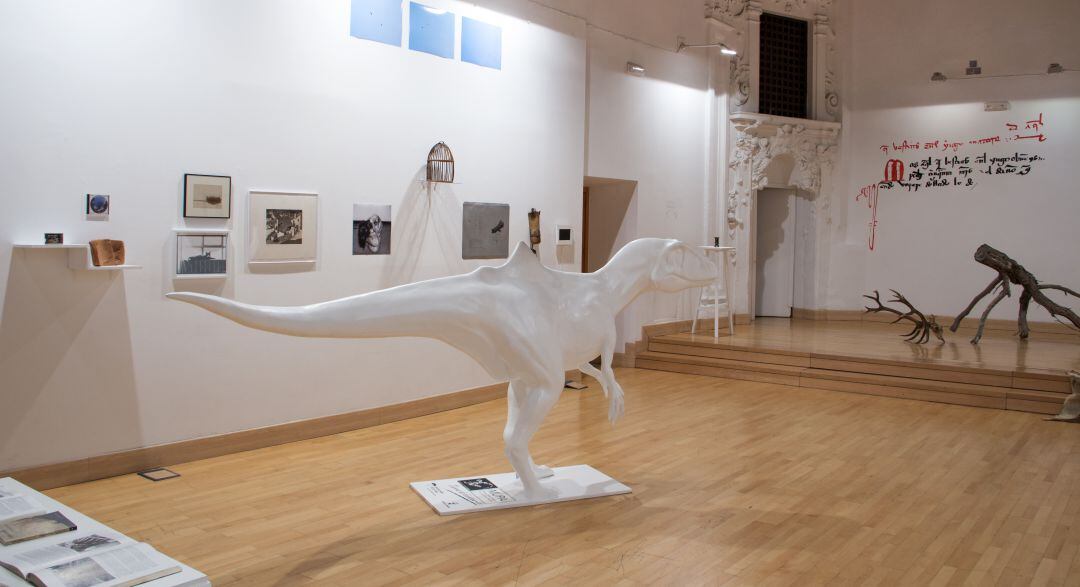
[{"x": 480, "y": 493}]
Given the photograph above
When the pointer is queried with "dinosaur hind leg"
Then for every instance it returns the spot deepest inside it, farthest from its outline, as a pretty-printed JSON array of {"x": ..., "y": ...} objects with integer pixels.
[{"x": 528, "y": 407}]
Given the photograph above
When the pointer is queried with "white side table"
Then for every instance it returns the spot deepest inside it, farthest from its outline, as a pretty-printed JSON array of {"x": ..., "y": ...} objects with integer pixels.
[{"x": 711, "y": 295}]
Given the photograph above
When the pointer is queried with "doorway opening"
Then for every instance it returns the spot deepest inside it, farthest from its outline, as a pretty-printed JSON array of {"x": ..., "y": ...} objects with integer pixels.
[
  {"x": 781, "y": 257},
  {"x": 609, "y": 219}
]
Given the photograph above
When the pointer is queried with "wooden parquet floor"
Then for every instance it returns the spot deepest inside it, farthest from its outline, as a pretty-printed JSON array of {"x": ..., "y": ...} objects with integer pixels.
[{"x": 735, "y": 483}]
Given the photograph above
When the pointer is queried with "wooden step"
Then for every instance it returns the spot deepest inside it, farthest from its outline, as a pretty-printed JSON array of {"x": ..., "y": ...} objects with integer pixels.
[
  {"x": 1042, "y": 402},
  {"x": 937, "y": 385},
  {"x": 916, "y": 370},
  {"x": 730, "y": 354},
  {"x": 730, "y": 369},
  {"x": 948, "y": 390},
  {"x": 962, "y": 399}
]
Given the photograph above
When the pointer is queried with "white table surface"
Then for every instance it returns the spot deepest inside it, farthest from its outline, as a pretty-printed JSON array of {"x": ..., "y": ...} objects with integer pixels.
[{"x": 187, "y": 577}]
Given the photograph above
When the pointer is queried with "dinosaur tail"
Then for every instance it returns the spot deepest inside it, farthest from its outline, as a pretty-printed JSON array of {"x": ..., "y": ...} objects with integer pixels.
[
  {"x": 407, "y": 310},
  {"x": 294, "y": 321}
]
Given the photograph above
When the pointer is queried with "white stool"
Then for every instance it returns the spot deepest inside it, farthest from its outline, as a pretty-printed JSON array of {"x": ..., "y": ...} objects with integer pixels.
[{"x": 711, "y": 296}]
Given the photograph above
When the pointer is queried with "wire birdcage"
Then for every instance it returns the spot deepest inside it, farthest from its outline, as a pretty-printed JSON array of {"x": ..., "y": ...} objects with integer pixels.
[{"x": 440, "y": 164}]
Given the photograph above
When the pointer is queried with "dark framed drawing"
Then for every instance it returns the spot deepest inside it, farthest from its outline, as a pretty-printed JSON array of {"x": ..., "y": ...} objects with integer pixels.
[{"x": 207, "y": 196}]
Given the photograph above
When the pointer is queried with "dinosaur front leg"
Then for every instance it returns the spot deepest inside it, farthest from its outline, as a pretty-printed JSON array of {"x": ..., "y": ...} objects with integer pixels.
[
  {"x": 615, "y": 399},
  {"x": 593, "y": 372},
  {"x": 528, "y": 407}
]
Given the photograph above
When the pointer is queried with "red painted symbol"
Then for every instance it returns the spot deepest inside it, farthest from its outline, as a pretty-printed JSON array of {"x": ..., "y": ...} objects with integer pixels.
[
  {"x": 894, "y": 170},
  {"x": 870, "y": 192}
]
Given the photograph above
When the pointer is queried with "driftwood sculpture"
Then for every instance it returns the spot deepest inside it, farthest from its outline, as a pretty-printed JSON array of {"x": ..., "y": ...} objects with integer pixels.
[
  {"x": 923, "y": 326},
  {"x": 1008, "y": 271},
  {"x": 1070, "y": 411}
]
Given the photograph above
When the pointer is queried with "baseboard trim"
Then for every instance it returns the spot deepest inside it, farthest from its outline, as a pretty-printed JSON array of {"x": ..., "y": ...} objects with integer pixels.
[{"x": 130, "y": 461}]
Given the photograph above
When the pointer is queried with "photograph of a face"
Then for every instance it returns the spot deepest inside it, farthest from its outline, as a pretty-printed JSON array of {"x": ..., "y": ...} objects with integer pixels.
[
  {"x": 371, "y": 229},
  {"x": 207, "y": 196},
  {"x": 485, "y": 231},
  {"x": 97, "y": 206},
  {"x": 284, "y": 227}
]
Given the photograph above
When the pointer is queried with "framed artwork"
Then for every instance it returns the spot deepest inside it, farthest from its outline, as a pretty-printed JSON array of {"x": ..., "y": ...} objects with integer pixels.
[
  {"x": 371, "y": 229},
  {"x": 207, "y": 196},
  {"x": 485, "y": 231},
  {"x": 284, "y": 227},
  {"x": 202, "y": 254},
  {"x": 97, "y": 206}
]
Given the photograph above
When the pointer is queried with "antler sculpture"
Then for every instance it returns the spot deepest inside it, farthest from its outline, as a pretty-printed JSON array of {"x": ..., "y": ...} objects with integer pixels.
[
  {"x": 1010, "y": 271},
  {"x": 923, "y": 325}
]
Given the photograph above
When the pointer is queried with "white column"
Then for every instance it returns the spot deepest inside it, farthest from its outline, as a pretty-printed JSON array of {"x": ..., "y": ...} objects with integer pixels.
[
  {"x": 820, "y": 76},
  {"x": 753, "y": 52}
]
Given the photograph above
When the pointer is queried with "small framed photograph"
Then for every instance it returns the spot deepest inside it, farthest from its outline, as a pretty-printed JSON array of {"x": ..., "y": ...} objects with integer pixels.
[
  {"x": 371, "y": 229},
  {"x": 54, "y": 238},
  {"x": 284, "y": 227},
  {"x": 207, "y": 196},
  {"x": 97, "y": 206},
  {"x": 202, "y": 254}
]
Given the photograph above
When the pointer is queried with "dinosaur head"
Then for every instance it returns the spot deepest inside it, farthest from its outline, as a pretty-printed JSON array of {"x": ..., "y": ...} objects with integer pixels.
[{"x": 680, "y": 266}]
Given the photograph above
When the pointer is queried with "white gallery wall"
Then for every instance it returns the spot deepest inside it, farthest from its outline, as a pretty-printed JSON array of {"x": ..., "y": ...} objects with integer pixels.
[
  {"x": 925, "y": 239},
  {"x": 653, "y": 130},
  {"x": 124, "y": 97}
]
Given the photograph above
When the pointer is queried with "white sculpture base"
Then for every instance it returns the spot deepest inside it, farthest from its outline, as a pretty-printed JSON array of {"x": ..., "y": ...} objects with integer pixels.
[{"x": 480, "y": 493}]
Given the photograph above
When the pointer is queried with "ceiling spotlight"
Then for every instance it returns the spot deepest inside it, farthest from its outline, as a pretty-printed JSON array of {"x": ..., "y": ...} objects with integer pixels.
[
  {"x": 1055, "y": 68},
  {"x": 938, "y": 77},
  {"x": 635, "y": 69}
]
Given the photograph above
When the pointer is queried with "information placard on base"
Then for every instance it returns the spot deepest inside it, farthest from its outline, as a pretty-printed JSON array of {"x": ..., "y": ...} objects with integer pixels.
[{"x": 503, "y": 490}]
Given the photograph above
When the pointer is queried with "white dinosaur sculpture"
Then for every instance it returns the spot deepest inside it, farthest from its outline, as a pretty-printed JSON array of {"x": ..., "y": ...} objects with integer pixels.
[{"x": 520, "y": 321}]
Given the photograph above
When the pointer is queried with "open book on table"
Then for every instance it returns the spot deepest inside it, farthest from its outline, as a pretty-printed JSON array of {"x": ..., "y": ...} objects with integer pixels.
[
  {"x": 15, "y": 505},
  {"x": 87, "y": 559}
]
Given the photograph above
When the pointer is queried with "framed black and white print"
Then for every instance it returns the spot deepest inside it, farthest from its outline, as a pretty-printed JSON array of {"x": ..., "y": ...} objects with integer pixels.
[
  {"x": 371, "y": 229},
  {"x": 202, "y": 254},
  {"x": 207, "y": 196},
  {"x": 283, "y": 227}
]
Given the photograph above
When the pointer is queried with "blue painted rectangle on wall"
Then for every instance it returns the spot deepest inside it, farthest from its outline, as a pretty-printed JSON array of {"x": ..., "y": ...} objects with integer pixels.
[
  {"x": 376, "y": 20},
  {"x": 481, "y": 43},
  {"x": 431, "y": 30}
]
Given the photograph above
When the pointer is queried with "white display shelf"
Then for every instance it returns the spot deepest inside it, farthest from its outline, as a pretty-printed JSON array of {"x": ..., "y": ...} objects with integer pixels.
[{"x": 79, "y": 257}]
